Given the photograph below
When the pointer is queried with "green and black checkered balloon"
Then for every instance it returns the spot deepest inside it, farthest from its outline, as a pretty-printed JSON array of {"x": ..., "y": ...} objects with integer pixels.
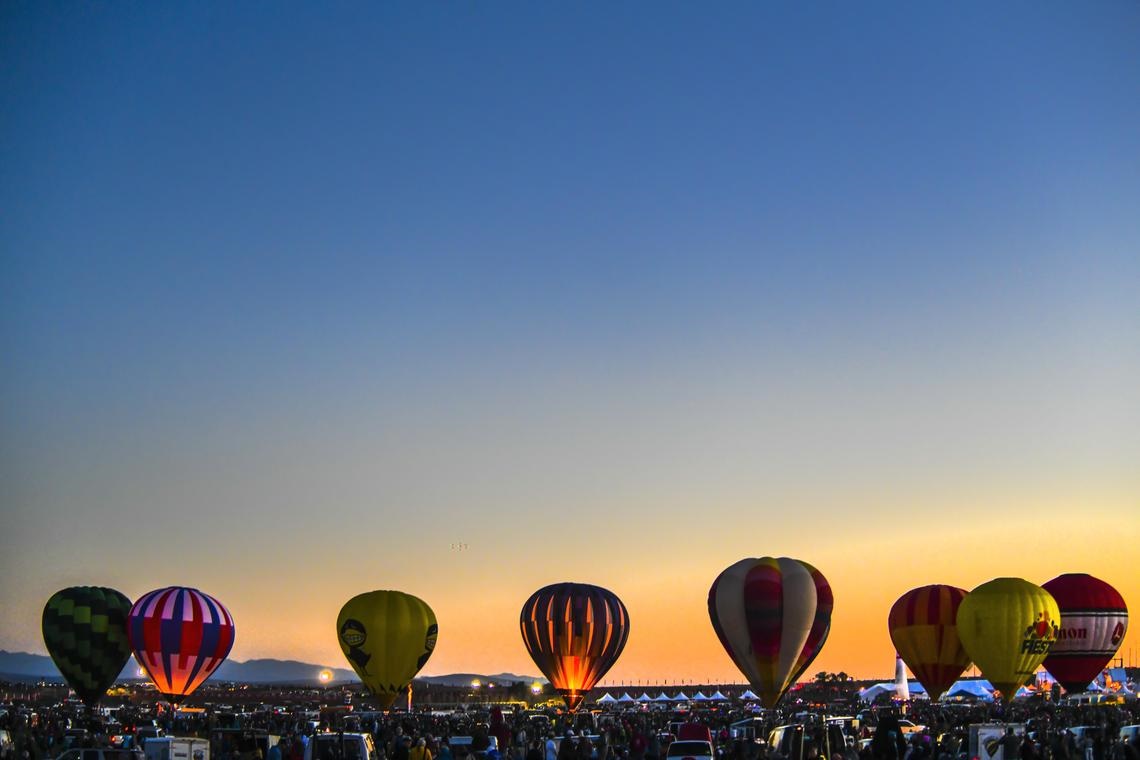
[{"x": 85, "y": 630}]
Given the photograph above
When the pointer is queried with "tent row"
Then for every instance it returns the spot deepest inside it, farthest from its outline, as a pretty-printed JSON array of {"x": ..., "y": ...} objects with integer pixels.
[
  {"x": 1112, "y": 681},
  {"x": 625, "y": 699},
  {"x": 972, "y": 688}
]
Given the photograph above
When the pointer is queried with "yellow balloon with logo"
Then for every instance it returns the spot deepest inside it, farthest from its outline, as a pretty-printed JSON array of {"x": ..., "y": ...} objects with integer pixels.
[
  {"x": 387, "y": 637},
  {"x": 1008, "y": 626}
]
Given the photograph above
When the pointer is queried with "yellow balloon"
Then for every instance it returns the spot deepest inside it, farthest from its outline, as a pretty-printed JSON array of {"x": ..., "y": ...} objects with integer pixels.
[
  {"x": 1008, "y": 626},
  {"x": 387, "y": 637}
]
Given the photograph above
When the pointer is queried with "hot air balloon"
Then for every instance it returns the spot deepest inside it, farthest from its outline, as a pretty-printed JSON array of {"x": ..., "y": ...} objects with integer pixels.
[
  {"x": 924, "y": 630},
  {"x": 85, "y": 630},
  {"x": 772, "y": 615},
  {"x": 574, "y": 632},
  {"x": 1094, "y": 620},
  {"x": 387, "y": 637},
  {"x": 1007, "y": 626},
  {"x": 180, "y": 637}
]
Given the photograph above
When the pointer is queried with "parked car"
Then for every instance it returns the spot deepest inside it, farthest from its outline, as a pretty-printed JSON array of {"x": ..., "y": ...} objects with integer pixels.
[
  {"x": 792, "y": 742},
  {"x": 340, "y": 746},
  {"x": 690, "y": 749},
  {"x": 748, "y": 730}
]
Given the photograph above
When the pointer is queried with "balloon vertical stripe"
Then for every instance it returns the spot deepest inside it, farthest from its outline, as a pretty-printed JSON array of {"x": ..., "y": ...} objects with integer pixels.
[{"x": 820, "y": 624}]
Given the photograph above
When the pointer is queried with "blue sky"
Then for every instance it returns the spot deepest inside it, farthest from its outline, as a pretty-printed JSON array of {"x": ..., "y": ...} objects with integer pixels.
[{"x": 285, "y": 265}]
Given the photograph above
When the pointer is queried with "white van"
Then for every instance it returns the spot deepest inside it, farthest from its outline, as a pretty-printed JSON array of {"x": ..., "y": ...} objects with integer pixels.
[{"x": 340, "y": 747}]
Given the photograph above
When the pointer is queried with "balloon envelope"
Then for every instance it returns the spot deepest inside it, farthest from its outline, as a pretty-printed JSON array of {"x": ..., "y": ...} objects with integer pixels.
[
  {"x": 1094, "y": 620},
  {"x": 1007, "y": 626},
  {"x": 574, "y": 632},
  {"x": 387, "y": 637},
  {"x": 85, "y": 631},
  {"x": 180, "y": 636},
  {"x": 923, "y": 627},
  {"x": 772, "y": 615}
]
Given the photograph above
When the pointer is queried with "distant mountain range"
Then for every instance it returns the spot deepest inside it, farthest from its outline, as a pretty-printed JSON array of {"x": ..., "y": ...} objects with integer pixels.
[{"x": 22, "y": 666}]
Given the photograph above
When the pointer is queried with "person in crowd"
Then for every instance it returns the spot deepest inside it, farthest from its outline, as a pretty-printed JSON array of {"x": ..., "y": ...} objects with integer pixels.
[{"x": 420, "y": 751}]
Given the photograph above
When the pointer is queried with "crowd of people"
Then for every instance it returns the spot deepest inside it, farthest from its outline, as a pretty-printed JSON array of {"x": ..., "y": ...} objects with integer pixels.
[{"x": 935, "y": 731}]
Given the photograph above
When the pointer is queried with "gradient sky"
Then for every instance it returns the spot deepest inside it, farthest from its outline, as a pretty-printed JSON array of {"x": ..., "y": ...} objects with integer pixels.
[{"x": 294, "y": 297}]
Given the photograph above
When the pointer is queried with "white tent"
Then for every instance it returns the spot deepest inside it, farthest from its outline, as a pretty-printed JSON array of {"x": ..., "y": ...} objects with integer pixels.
[
  {"x": 721, "y": 698},
  {"x": 871, "y": 693},
  {"x": 624, "y": 698},
  {"x": 700, "y": 697},
  {"x": 681, "y": 697},
  {"x": 973, "y": 689},
  {"x": 606, "y": 699},
  {"x": 644, "y": 698},
  {"x": 749, "y": 695}
]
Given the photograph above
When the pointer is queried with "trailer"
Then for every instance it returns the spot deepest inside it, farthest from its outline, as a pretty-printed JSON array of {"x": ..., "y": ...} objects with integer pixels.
[{"x": 177, "y": 748}]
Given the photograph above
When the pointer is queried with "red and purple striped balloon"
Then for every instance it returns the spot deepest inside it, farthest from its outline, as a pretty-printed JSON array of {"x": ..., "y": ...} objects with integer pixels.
[{"x": 180, "y": 636}]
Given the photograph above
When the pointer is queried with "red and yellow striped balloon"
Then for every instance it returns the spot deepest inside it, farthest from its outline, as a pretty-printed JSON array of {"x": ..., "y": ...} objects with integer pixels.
[
  {"x": 923, "y": 627},
  {"x": 772, "y": 616}
]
